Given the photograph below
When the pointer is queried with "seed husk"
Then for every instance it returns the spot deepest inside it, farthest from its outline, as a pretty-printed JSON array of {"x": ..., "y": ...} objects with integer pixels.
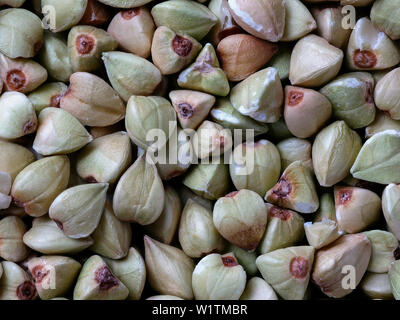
[
  {"x": 59, "y": 132},
  {"x": 169, "y": 269},
  {"x": 105, "y": 158},
  {"x": 386, "y": 95},
  {"x": 241, "y": 55},
  {"x": 377, "y": 286},
  {"x": 97, "y": 282},
  {"x": 139, "y": 195},
  {"x": 261, "y": 18},
  {"x": 53, "y": 275},
  {"x": 198, "y": 19},
  {"x": 334, "y": 151},
  {"x": 130, "y": 74},
  {"x": 351, "y": 95},
  {"x": 22, "y": 75},
  {"x": 47, "y": 95},
  {"x": 18, "y": 116},
  {"x": 295, "y": 149},
  {"x": 14, "y": 158},
  {"x": 370, "y": 49},
  {"x": 171, "y": 52},
  {"x": 306, "y": 111},
  {"x": 384, "y": 250},
  {"x": 112, "y": 237},
  {"x": 205, "y": 74},
  {"x": 258, "y": 289},
  {"x": 391, "y": 209},
  {"x": 67, "y": 13},
  {"x": 144, "y": 114},
  {"x": 20, "y": 40},
  {"x": 12, "y": 248},
  {"x": 314, "y": 62},
  {"x": 15, "y": 283},
  {"x": 295, "y": 190},
  {"x": 225, "y": 25},
  {"x": 92, "y": 101},
  {"x": 125, "y": 3},
  {"x": 241, "y": 218},
  {"x": 352, "y": 250},
  {"x": 381, "y": 123},
  {"x": 164, "y": 228},
  {"x": 78, "y": 210},
  {"x": 385, "y": 17},
  {"x": 356, "y": 208},
  {"x": 218, "y": 277},
  {"x": 378, "y": 157},
  {"x": 131, "y": 270},
  {"x": 210, "y": 181},
  {"x": 47, "y": 238},
  {"x": 133, "y": 29},
  {"x": 287, "y": 270},
  {"x": 226, "y": 115},
  {"x": 284, "y": 229},
  {"x": 54, "y": 57},
  {"x": 245, "y": 258},
  {"x": 255, "y": 166},
  {"x": 298, "y": 21},
  {"x": 191, "y": 107},
  {"x": 259, "y": 96},
  {"x": 329, "y": 25},
  {"x": 320, "y": 234},
  {"x": 197, "y": 233},
  {"x": 39, "y": 183},
  {"x": 211, "y": 140}
]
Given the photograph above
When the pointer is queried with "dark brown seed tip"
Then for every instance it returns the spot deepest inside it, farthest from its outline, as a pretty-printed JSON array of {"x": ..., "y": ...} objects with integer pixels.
[
  {"x": 91, "y": 179},
  {"x": 15, "y": 80},
  {"x": 105, "y": 278},
  {"x": 26, "y": 291},
  {"x": 232, "y": 194},
  {"x": 229, "y": 261},
  {"x": 364, "y": 59},
  {"x": 396, "y": 253},
  {"x": 185, "y": 110},
  {"x": 182, "y": 46},
  {"x": 29, "y": 126},
  {"x": 299, "y": 267},
  {"x": 280, "y": 213},
  {"x": 84, "y": 44}
]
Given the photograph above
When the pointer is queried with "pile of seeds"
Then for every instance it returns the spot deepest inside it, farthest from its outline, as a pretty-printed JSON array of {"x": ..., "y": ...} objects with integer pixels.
[{"x": 179, "y": 149}]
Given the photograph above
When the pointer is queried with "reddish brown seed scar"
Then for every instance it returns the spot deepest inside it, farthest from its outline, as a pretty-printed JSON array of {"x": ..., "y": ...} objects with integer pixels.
[
  {"x": 105, "y": 278},
  {"x": 26, "y": 291},
  {"x": 344, "y": 196},
  {"x": 299, "y": 267},
  {"x": 283, "y": 189},
  {"x": 15, "y": 80},
  {"x": 39, "y": 272},
  {"x": 229, "y": 261},
  {"x": 295, "y": 97},
  {"x": 185, "y": 110},
  {"x": 364, "y": 59},
  {"x": 84, "y": 44},
  {"x": 280, "y": 213},
  {"x": 182, "y": 46},
  {"x": 129, "y": 14}
]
